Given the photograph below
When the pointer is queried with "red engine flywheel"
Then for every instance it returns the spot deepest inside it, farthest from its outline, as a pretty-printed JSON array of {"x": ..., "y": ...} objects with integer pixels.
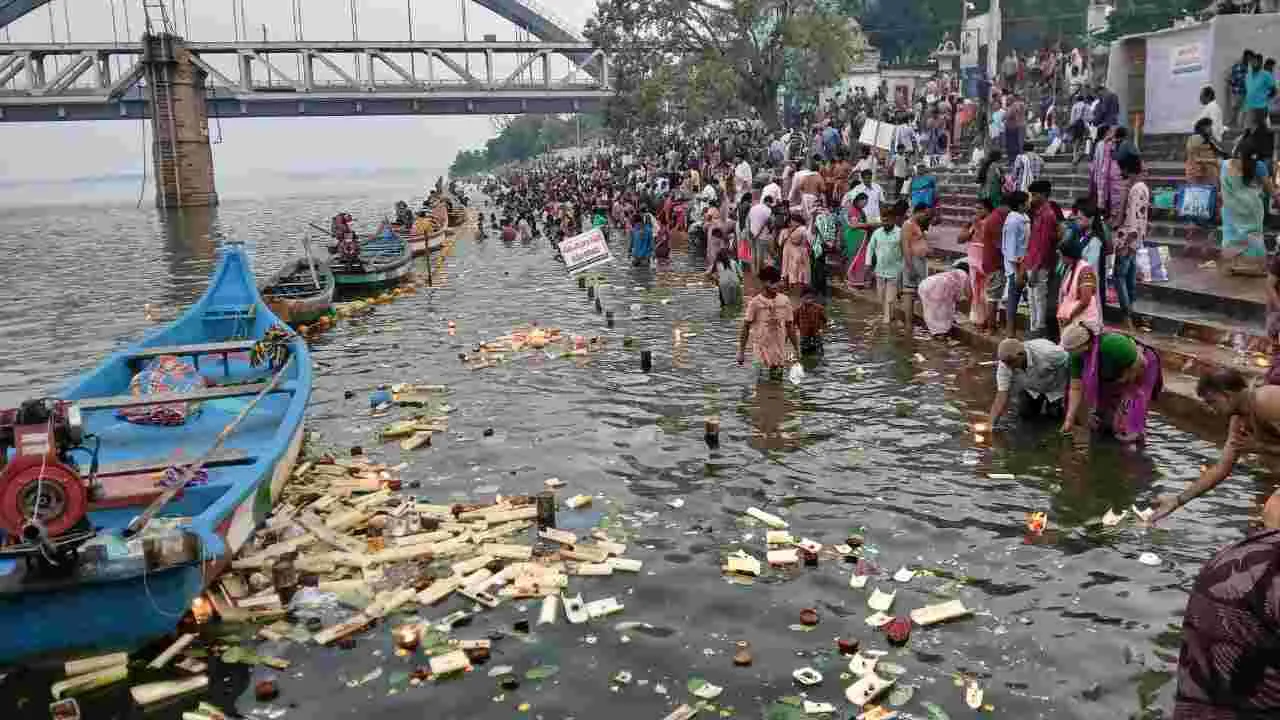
[{"x": 61, "y": 496}]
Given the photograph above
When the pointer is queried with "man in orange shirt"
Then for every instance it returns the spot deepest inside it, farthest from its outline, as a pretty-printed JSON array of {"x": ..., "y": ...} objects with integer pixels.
[{"x": 915, "y": 251}]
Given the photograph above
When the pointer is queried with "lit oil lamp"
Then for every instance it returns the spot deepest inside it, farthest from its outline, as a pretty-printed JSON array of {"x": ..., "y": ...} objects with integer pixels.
[
  {"x": 407, "y": 637},
  {"x": 201, "y": 610}
]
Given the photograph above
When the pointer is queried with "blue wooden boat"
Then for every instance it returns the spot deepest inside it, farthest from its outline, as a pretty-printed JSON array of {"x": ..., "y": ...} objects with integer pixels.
[{"x": 81, "y": 574}]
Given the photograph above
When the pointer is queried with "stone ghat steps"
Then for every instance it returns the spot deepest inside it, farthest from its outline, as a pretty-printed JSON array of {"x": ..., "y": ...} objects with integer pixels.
[{"x": 1200, "y": 312}]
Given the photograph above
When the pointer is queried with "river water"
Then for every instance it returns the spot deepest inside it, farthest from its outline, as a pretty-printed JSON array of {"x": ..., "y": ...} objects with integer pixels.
[{"x": 872, "y": 440}]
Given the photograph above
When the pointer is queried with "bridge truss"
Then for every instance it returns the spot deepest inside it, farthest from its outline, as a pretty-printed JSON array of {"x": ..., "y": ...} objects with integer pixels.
[{"x": 105, "y": 81}]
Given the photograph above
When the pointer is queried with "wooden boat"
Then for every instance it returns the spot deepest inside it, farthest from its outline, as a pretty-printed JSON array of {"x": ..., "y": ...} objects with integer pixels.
[
  {"x": 114, "y": 558},
  {"x": 420, "y": 245},
  {"x": 457, "y": 211},
  {"x": 292, "y": 293},
  {"x": 384, "y": 259},
  {"x": 434, "y": 239}
]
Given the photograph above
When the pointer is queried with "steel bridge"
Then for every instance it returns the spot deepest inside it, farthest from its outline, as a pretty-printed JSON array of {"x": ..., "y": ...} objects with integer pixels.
[
  {"x": 106, "y": 81},
  {"x": 180, "y": 85}
]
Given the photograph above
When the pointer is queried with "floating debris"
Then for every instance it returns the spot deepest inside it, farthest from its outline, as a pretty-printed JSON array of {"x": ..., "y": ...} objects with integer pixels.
[{"x": 1110, "y": 519}]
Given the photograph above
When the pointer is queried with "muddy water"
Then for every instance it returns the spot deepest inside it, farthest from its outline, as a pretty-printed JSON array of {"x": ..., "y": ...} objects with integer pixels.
[{"x": 872, "y": 441}]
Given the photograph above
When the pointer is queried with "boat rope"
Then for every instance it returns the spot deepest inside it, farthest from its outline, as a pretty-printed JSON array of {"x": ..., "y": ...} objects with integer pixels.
[
  {"x": 44, "y": 460},
  {"x": 204, "y": 583},
  {"x": 139, "y": 523}
]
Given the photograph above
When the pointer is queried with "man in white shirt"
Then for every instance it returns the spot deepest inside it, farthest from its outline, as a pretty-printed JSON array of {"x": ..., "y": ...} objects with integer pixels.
[
  {"x": 874, "y": 193},
  {"x": 1210, "y": 109},
  {"x": 772, "y": 190},
  {"x": 1037, "y": 370},
  {"x": 866, "y": 164},
  {"x": 741, "y": 178},
  {"x": 758, "y": 227}
]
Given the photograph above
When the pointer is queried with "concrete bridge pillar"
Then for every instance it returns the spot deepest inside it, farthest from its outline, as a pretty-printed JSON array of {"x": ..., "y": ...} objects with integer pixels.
[{"x": 181, "y": 155}]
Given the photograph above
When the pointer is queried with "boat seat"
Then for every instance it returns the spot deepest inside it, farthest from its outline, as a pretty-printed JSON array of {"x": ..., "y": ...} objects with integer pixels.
[
  {"x": 229, "y": 312},
  {"x": 136, "y": 483},
  {"x": 227, "y": 456},
  {"x": 195, "y": 351},
  {"x": 213, "y": 393}
]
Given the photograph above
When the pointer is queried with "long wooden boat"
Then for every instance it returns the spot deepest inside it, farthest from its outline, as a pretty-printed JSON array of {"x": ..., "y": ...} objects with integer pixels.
[
  {"x": 420, "y": 245},
  {"x": 433, "y": 240},
  {"x": 114, "y": 557},
  {"x": 292, "y": 293},
  {"x": 457, "y": 211},
  {"x": 384, "y": 259}
]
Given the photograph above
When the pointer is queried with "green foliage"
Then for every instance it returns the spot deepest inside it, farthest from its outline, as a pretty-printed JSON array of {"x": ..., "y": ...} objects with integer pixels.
[
  {"x": 1130, "y": 19},
  {"x": 523, "y": 138},
  {"x": 678, "y": 63}
]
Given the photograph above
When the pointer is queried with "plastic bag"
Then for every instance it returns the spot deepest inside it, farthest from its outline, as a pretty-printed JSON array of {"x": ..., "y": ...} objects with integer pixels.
[
  {"x": 797, "y": 373},
  {"x": 1197, "y": 203}
]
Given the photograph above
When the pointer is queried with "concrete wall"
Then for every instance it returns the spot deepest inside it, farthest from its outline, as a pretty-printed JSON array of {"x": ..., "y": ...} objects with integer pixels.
[{"x": 1225, "y": 38}]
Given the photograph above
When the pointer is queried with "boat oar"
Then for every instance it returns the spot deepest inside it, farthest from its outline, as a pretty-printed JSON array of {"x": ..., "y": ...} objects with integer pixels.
[
  {"x": 326, "y": 232},
  {"x": 140, "y": 522},
  {"x": 306, "y": 248}
]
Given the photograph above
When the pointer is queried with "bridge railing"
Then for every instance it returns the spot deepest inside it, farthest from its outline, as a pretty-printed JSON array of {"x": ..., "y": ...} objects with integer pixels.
[{"x": 96, "y": 72}]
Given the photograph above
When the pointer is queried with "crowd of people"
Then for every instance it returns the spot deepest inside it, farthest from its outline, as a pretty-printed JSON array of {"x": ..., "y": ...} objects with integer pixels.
[{"x": 794, "y": 210}]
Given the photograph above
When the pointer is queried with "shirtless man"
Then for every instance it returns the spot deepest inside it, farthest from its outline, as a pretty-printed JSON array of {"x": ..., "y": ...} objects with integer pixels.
[
  {"x": 915, "y": 252},
  {"x": 1254, "y": 426},
  {"x": 806, "y": 187}
]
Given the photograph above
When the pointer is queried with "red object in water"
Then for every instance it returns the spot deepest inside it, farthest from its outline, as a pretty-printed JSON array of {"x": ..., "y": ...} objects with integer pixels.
[
  {"x": 898, "y": 630},
  {"x": 847, "y": 647},
  {"x": 266, "y": 690},
  {"x": 808, "y": 616}
]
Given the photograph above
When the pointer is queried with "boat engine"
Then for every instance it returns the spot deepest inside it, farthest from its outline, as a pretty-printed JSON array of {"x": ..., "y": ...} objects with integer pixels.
[{"x": 41, "y": 492}]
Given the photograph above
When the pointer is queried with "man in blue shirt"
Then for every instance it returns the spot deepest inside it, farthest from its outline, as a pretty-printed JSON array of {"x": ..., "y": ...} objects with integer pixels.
[
  {"x": 1239, "y": 72},
  {"x": 1013, "y": 245},
  {"x": 1259, "y": 87}
]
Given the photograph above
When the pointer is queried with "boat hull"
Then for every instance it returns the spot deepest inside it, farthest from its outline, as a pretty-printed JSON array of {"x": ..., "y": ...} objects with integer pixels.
[
  {"x": 374, "y": 278},
  {"x": 301, "y": 312}
]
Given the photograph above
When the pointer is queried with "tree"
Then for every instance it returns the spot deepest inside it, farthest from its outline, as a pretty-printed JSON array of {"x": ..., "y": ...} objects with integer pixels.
[
  {"x": 524, "y": 137},
  {"x": 678, "y": 62}
]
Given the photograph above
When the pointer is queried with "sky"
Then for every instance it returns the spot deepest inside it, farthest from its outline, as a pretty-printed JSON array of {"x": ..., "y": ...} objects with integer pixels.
[{"x": 60, "y": 151}]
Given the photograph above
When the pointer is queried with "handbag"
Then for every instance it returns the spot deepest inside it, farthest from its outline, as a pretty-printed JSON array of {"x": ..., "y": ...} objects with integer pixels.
[
  {"x": 1156, "y": 260},
  {"x": 1197, "y": 203}
]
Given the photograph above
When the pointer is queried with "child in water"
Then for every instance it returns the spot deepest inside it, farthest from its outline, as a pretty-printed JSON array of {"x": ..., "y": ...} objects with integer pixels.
[
  {"x": 810, "y": 321},
  {"x": 726, "y": 273},
  {"x": 769, "y": 324}
]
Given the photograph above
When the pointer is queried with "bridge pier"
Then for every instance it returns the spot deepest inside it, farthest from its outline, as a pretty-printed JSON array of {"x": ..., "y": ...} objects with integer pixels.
[{"x": 182, "y": 158}]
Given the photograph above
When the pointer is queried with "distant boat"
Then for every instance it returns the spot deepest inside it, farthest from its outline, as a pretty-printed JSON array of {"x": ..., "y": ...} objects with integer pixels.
[
  {"x": 384, "y": 259},
  {"x": 72, "y": 576},
  {"x": 292, "y": 293},
  {"x": 457, "y": 211}
]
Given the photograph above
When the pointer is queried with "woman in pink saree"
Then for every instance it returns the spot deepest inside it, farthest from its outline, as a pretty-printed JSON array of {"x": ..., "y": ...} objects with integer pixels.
[
  {"x": 939, "y": 294},
  {"x": 1106, "y": 182}
]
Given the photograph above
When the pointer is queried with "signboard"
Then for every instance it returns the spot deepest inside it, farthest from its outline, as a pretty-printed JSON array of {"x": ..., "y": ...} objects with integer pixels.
[
  {"x": 868, "y": 135},
  {"x": 1188, "y": 58},
  {"x": 1177, "y": 68},
  {"x": 585, "y": 251},
  {"x": 884, "y": 136}
]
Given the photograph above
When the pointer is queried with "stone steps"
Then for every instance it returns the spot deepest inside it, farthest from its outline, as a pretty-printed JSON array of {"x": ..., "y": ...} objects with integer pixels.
[{"x": 1196, "y": 304}]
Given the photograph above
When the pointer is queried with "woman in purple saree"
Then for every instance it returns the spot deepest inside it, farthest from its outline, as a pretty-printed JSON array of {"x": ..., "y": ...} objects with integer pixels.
[{"x": 1114, "y": 381}]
